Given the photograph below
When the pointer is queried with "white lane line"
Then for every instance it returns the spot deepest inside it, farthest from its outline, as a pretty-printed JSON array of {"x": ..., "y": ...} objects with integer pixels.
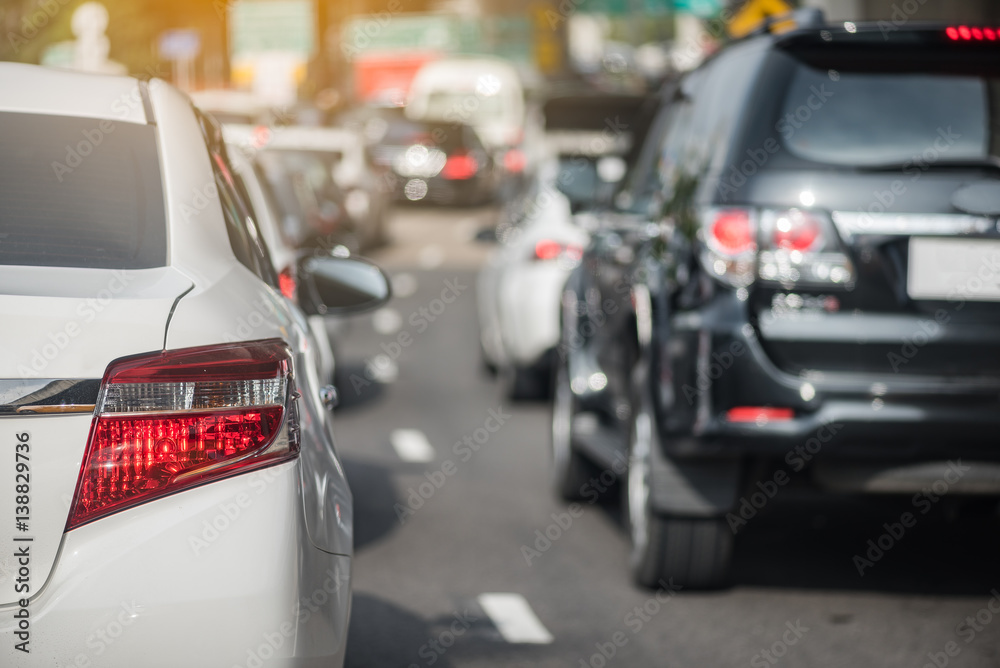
[
  {"x": 411, "y": 445},
  {"x": 514, "y": 618}
]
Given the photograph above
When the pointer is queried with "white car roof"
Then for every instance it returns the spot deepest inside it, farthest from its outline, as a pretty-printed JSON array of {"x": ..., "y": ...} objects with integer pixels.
[{"x": 40, "y": 90}]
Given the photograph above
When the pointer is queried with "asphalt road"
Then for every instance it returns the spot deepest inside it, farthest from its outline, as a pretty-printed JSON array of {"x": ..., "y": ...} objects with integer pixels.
[{"x": 451, "y": 493}]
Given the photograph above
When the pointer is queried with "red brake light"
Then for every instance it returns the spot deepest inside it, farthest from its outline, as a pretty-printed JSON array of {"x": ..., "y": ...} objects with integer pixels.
[
  {"x": 514, "y": 161},
  {"x": 548, "y": 249},
  {"x": 759, "y": 414},
  {"x": 964, "y": 32},
  {"x": 990, "y": 33},
  {"x": 733, "y": 232},
  {"x": 172, "y": 420},
  {"x": 286, "y": 283},
  {"x": 796, "y": 231},
  {"x": 460, "y": 167},
  {"x": 952, "y": 33}
]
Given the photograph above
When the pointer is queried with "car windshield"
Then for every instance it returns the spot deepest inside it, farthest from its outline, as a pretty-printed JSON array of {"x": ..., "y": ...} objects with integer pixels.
[
  {"x": 80, "y": 192},
  {"x": 871, "y": 119}
]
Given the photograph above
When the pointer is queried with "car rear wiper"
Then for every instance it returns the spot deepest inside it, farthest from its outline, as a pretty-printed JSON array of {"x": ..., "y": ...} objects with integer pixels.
[{"x": 964, "y": 163}]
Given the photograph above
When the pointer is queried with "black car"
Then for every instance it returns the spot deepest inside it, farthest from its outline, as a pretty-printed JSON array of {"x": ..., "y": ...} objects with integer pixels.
[
  {"x": 801, "y": 288},
  {"x": 441, "y": 163}
]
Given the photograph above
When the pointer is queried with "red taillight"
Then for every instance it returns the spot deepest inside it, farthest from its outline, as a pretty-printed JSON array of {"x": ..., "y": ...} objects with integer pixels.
[
  {"x": 759, "y": 414},
  {"x": 733, "y": 232},
  {"x": 514, "y": 161},
  {"x": 549, "y": 249},
  {"x": 172, "y": 420},
  {"x": 286, "y": 283},
  {"x": 460, "y": 167},
  {"x": 796, "y": 230}
]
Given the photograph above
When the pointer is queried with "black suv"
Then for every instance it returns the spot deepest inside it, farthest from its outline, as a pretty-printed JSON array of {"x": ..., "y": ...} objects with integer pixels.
[{"x": 801, "y": 287}]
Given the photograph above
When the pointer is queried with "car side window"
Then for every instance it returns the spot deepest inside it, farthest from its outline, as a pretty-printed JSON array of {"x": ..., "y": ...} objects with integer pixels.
[{"x": 241, "y": 224}]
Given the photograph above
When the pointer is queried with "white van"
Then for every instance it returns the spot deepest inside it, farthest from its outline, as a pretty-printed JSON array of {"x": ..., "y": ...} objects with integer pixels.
[{"x": 483, "y": 92}]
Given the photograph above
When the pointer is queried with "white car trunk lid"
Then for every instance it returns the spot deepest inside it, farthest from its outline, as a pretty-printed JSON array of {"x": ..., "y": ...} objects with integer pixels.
[{"x": 61, "y": 328}]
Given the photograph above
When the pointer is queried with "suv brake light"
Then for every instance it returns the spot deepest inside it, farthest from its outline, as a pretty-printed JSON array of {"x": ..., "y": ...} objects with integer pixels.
[
  {"x": 801, "y": 247},
  {"x": 173, "y": 420},
  {"x": 786, "y": 246},
  {"x": 730, "y": 245}
]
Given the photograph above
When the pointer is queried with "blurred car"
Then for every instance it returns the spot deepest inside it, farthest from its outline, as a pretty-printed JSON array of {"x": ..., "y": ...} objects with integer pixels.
[
  {"x": 285, "y": 252},
  {"x": 542, "y": 240},
  {"x": 817, "y": 303},
  {"x": 488, "y": 94},
  {"x": 353, "y": 181},
  {"x": 233, "y": 106},
  {"x": 173, "y": 447},
  {"x": 443, "y": 163}
]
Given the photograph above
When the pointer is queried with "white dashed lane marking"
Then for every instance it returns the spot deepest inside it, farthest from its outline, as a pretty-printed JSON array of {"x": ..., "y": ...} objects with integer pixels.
[
  {"x": 412, "y": 446},
  {"x": 514, "y": 619}
]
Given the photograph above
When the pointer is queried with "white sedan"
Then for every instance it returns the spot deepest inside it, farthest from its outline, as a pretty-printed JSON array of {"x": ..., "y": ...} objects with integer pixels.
[
  {"x": 171, "y": 495},
  {"x": 519, "y": 288}
]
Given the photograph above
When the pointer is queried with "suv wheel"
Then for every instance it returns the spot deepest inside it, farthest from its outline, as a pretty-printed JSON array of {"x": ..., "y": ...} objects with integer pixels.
[{"x": 691, "y": 552}]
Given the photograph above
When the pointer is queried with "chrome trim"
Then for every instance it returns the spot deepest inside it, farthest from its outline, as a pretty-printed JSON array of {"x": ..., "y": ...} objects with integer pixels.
[
  {"x": 860, "y": 223},
  {"x": 35, "y": 396},
  {"x": 63, "y": 408}
]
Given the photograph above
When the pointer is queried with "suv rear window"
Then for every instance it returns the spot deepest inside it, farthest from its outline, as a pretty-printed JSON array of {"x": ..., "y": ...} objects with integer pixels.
[
  {"x": 80, "y": 192},
  {"x": 872, "y": 119}
]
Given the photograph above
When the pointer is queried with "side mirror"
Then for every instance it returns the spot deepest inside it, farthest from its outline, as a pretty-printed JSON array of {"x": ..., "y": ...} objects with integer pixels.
[
  {"x": 331, "y": 285},
  {"x": 486, "y": 235}
]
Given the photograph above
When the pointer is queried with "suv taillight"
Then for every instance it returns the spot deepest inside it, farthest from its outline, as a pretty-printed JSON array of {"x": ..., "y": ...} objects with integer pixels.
[
  {"x": 172, "y": 420},
  {"x": 730, "y": 246},
  {"x": 801, "y": 247},
  {"x": 793, "y": 247}
]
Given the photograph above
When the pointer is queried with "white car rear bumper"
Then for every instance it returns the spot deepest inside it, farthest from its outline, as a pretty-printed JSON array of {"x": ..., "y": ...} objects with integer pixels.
[{"x": 220, "y": 576}]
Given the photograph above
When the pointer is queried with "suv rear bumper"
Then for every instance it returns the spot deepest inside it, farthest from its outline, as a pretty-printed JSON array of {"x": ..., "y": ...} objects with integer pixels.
[{"x": 851, "y": 415}]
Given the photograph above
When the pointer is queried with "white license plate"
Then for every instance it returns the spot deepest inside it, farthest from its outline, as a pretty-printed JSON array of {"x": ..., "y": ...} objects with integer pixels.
[{"x": 954, "y": 269}]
